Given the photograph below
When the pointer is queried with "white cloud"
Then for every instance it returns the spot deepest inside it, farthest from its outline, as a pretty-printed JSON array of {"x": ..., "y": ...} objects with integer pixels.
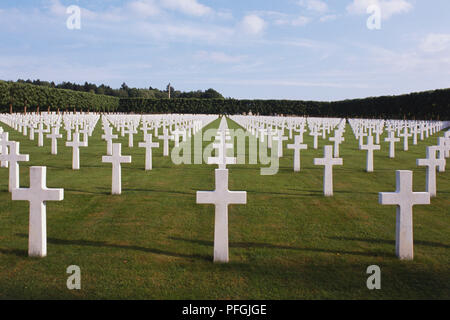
[
  {"x": 146, "y": 8},
  {"x": 314, "y": 5},
  {"x": 190, "y": 7},
  {"x": 329, "y": 17},
  {"x": 253, "y": 24},
  {"x": 388, "y": 7},
  {"x": 300, "y": 21},
  {"x": 219, "y": 57},
  {"x": 435, "y": 42}
]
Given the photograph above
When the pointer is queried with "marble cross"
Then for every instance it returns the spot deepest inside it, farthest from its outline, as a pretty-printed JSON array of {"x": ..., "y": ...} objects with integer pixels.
[
  {"x": 370, "y": 147},
  {"x": 4, "y": 143},
  {"x": 76, "y": 144},
  {"x": 392, "y": 140},
  {"x": 221, "y": 197},
  {"x": 166, "y": 138},
  {"x": 405, "y": 135},
  {"x": 297, "y": 146},
  {"x": 404, "y": 198},
  {"x": 328, "y": 162},
  {"x": 13, "y": 158},
  {"x": 109, "y": 136},
  {"x": 54, "y": 136},
  {"x": 116, "y": 159},
  {"x": 148, "y": 144},
  {"x": 37, "y": 195},
  {"x": 431, "y": 162}
]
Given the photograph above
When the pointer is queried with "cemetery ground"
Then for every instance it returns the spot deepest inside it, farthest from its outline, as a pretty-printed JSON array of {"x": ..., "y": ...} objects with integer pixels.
[{"x": 287, "y": 242}]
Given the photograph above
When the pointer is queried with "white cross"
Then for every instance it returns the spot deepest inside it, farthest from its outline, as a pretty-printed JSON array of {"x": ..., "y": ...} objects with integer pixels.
[
  {"x": 221, "y": 197},
  {"x": 85, "y": 132},
  {"x": 54, "y": 136},
  {"x": 148, "y": 144},
  {"x": 404, "y": 198},
  {"x": 280, "y": 138},
  {"x": 4, "y": 143},
  {"x": 116, "y": 159},
  {"x": 297, "y": 146},
  {"x": 40, "y": 132},
  {"x": 361, "y": 136},
  {"x": 176, "y": 136},
  {"x": 316, "y": 135},
  {"x": 222, "y": 160},
  {"x": 13, "y": 158},
  {"x": 166, "y": 138},
  {"x": 337, "y": 139},
  {"x": 75, "y": 144},
  {"x": 370, "y": 147},
  {"x": 37, "y": 195},
  {"x": 392, "y": 140},
  {"x": 108, "y": 136},
  {"x": 328, "y": 161},
  {"x": 405, "y": 135},
  {"x": 443, "y": 149},
  {"x": 131, "y": 131},
  {"x": 431, "y": 162}
]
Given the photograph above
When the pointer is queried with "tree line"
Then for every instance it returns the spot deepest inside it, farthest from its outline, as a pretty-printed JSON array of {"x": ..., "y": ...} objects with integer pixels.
[
  {"x": 425, "y": 105},
  {"x": 125, "y": 91}
]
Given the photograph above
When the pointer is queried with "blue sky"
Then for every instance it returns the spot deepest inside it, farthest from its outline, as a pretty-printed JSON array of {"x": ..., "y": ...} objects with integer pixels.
[{"x": 256, "y": 49}]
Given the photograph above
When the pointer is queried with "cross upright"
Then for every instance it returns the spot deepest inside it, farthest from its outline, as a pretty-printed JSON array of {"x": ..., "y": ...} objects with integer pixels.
[
  {"x": 13, "y": 158},
  {"x": 297, "y": 146},
  {"x": 370, "y": 147},
  {"x": 404, "y": 198},
  {"x": 361, "y": 135},
  {"x": 431, "y": 162},
  {"x": 40, "y": 132},
  {"x": 221, "y": 197},
  {"x": 392, "y": 140},
  {"x": 38, "y": 194},
  {"x": 405, "y": 135},
  {"x": 315, "y": 133},
  {"x": 85, "y": 132},
  {"x": 109, "y": 136},
  {"x": 75, "y": 144},
  {"x": 337, "y": 139},
  {"x": 116, "y": 159},
  {"x": 148, "y": 144},
  {"x": 442, "y": 148},
  {"x": 166, "y": 138},
  {"x": 4, "y": 143},
  {"x": 280, "y": 138},
  {"x": 176, "y": 136},
  {"x": 328, "y": 162},
  {"x": 54, "y": 136}
]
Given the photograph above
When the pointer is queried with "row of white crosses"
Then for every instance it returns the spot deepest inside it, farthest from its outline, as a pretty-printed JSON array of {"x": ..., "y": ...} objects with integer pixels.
[
  {"x": 132, "y": 122},
  {"x": 37, "y": 195},
  {"x": 327, "y": 125},
  {"x": 221, "y": 197}
]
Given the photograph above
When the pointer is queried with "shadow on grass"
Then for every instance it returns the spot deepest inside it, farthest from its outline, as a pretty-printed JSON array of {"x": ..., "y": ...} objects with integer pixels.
[
  {"x": 247, "y": 245},
  {"x": 392, "y": 242},
  {"x": 16, "y": 252},
  {"x": 102, "y": 244}
]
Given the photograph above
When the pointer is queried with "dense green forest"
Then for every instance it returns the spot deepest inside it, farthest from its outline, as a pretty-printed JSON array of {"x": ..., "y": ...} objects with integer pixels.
[{"x": 425, "y": 105}]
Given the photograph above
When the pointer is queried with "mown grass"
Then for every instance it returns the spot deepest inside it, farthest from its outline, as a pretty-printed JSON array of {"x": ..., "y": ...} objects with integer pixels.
[{"x": 288, "y": 242}]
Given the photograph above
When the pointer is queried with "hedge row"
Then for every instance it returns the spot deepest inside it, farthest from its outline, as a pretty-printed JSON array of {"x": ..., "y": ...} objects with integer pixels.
[
  {"x": 19, "y": 95},
  {"x": 423, "y": 105}
]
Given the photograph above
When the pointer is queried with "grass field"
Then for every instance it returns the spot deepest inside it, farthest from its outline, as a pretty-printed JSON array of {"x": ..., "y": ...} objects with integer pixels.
[{"x": 288, "y": 242}]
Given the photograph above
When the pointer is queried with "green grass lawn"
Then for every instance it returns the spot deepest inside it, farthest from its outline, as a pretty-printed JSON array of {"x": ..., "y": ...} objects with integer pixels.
[{"x": 288, "y": 242}]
